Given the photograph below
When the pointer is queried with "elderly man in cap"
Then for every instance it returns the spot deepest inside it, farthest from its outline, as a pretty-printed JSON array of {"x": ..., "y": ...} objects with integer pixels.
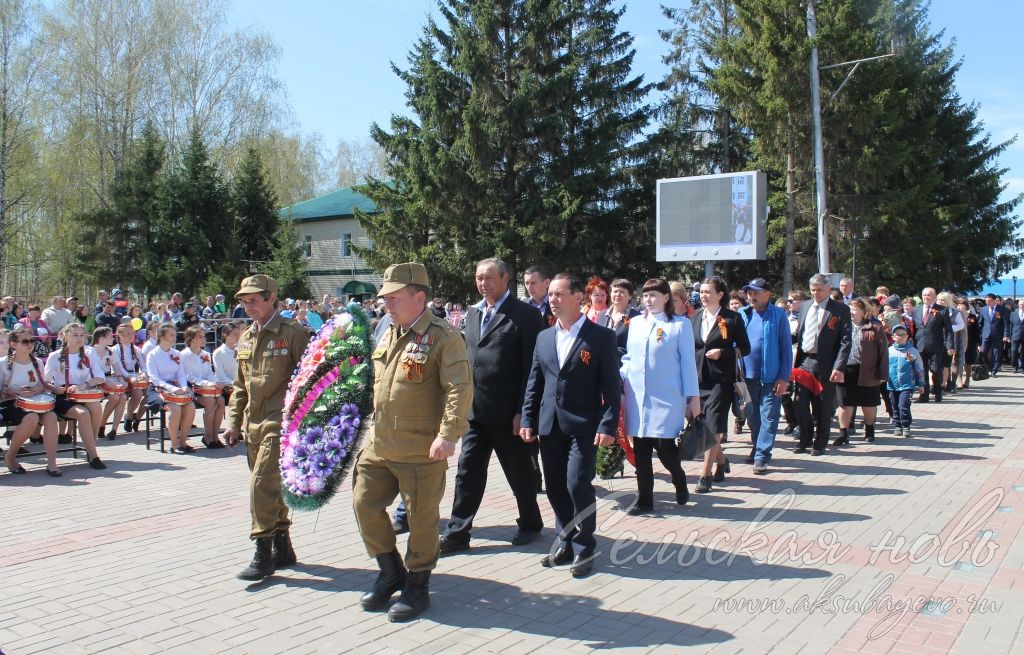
[
  {"x": 267, "y": 353},
  {"x": 421, "y": 398},
  {"x": 766, "y": 369}
]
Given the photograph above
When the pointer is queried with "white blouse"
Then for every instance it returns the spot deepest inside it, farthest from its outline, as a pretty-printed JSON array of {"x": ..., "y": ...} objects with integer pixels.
[
  {"x": 127, "y": 360},
  {"x": 225, "y": 364},
  {"x": 165, "y": 370},
  {"x": 102, "y": 355},
  {"x": 20, "y": 375},
  {"x": 198, "y": 368},
  {"x": 76, "y": 374},
  {"x": 148, "y": 348}
]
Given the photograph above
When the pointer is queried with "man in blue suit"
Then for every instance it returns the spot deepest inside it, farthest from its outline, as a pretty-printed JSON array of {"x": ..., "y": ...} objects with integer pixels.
[
  {"x": 994, "y": 322},
  {"x": 1017, "y": 337},
  {"x": 572, "y": 404}
]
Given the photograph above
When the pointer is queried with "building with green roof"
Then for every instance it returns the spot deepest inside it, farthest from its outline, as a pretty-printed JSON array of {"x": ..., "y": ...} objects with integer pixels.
[{"x": 327, "y": 229}]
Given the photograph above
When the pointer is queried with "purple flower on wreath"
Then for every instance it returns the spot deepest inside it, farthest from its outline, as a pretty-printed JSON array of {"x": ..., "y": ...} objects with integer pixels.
[
  {"x": 320, "y": 465},
  {"x": 312, "y": 435},
  {"x": 334, "y": 422},
  {"x": 334, "y": 450},
  {"x": 349, "y": 409},
  {"x": 300, "y": 454}
]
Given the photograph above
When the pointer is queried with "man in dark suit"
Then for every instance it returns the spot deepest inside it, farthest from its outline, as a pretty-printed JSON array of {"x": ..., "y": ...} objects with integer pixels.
[
  {"x": 823, "y": 338},
  {"x": 933, "y": 336},
  {"x": 572, "y": 404},
  {"x": 1017, "y": 337},
  {"x": 500, "y": 335},
  {"x": 994, "y": 321}
]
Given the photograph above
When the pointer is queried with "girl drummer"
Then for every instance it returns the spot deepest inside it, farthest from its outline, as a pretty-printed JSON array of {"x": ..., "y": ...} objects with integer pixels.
[
  {"x": 102, "y": 339},
  {"x": 152, "y": 336},
  {"x": 225, "y": 364},
  {"x": 21, "y": 374},
  {"x": 199, "y": 373},
  {"x": 69, "y": 370},
  {"x": 166, "y": 373},
  {"x": 129, "y": 365}
]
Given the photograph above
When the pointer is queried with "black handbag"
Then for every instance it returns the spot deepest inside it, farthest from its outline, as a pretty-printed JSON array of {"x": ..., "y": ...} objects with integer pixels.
[
  {"x": 979, "y": 372},
  {"x": 695, "y": 439}
]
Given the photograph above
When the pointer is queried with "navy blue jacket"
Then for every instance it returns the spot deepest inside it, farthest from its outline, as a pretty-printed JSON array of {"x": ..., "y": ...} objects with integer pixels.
[
  {"x": 997, "y": 327},
  {"x": 584, "y": 394}
]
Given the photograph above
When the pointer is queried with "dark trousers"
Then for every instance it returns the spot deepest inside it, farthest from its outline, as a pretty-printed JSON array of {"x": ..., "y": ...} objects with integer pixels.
[
  {"x": 932, "y": 363},
  {"x": 815, "y": 412},
  {"x": 901, "y": 407},
  {"x": 668, "y": 453},
  {"x": 992, "y": 350},
  {"x": 569, "y": 462},
  {"x": 1017, "y": 354},
  {"x": 516, "y": 461},
  {"x": 789, "y": 411}
]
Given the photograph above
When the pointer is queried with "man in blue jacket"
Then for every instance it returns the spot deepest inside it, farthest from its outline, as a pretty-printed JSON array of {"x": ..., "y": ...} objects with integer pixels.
[
  {"x": 994, "y": 320},
  {"x": 766, "y": 369}
]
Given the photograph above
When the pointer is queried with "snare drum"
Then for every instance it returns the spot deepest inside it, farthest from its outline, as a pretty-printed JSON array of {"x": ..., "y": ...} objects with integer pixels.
[
  {"x": 39, "y": 403},
  {"x": 206, "y": 389},
  {"x": 139, "y": 382},
  {"x": 86, "y": 395},
  {"x": 176, "y": 398},
  {"x": 114, "y": 385}
]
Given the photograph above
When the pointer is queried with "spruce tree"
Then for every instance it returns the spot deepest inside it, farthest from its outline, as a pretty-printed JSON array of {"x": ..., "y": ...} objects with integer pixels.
[
  {"x": 195, "y": 222},
  {"x": 519, "y": 143},
  {"x": 287, "y": 264},
  {"x": 254, "y": 206}
]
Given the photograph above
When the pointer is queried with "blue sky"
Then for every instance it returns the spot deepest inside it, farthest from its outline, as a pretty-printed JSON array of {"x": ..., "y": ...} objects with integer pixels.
[{"x": 335, "y": 58}]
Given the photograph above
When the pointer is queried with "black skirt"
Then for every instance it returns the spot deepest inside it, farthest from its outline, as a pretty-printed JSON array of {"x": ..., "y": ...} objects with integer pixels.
[
  {"x": 715, "y": 405},
  {"x": 851, "y": 394}
]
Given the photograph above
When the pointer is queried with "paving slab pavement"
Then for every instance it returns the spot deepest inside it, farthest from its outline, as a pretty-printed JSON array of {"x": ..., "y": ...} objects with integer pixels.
[{"x": 900, "y": 546}]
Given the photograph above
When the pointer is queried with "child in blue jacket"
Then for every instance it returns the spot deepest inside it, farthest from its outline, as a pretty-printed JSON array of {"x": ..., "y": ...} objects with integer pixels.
[{"x": 906, "y": 376}]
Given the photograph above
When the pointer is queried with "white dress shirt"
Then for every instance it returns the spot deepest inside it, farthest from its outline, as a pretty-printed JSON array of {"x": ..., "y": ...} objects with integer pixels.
[
  {"x": 20, "y": 375},
  {"x": 102, "y": 355},
  {"x": 812, "y": 325},
  {"x": 564, "y": 339},
  {"x": 127, "y": 361},
  {"x": 165, "y": 370},
  {"x": 198, "y": 368},
  {"x": 708, "y": 322},
  {"x": 148, "y": 348},
  {"x": 225, "y": 364},
  {"x": 56, "y": 374}
]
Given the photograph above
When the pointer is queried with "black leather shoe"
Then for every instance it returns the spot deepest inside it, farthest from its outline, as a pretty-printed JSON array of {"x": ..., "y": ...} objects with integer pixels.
[
  {"x": 800, "y": 451},
  {"x": 561, "y": 557},
  {"x": 749, "y": 459},
  {"x": 582, "y": 566},
  {"x": 817, "y": 452},
  {"x": 415, "y": 598},
  {"x": 262, "y": 564},
  {"x": 682, "y": 495},
  {"x": 391, "y": 578},
  {"x": 451, "y": 546},
  {"x": 523, "y": 537},
  {"x": 703, "y": 485},
  {"x": 284, "y": 554},
  {"x": 399, "y": 526},
  {"x": 721, "y": 470},
  {"x": 97, "y": 463},
  {"x": 640, "y": 509}
]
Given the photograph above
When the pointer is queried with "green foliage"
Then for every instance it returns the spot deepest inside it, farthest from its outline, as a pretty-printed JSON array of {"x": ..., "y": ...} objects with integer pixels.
[
  {"x": 520, "y": 142},
  {"x": 287, "y": 264}
]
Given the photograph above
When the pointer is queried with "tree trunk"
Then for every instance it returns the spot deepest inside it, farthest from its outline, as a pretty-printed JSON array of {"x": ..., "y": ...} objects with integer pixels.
[{"x": 787, "y": 266}]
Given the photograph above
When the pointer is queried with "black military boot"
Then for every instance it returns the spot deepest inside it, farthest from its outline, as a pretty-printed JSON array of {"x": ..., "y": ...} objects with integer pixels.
[
  {"x": 262, "y": 564},
  {"x": 415, "y": 598},
  {"x": 284, "y": 554},
  {"x": 391, "y": 578}
]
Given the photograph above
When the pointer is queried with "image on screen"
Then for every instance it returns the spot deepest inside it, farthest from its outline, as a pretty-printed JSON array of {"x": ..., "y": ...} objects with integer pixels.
[{"x": 717, "y": 211}]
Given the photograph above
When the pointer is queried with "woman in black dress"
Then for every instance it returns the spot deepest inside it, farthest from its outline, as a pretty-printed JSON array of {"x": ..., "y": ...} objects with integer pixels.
[
  {"x": 973, "y": 331},
  {"x": 718, "y": 332}
]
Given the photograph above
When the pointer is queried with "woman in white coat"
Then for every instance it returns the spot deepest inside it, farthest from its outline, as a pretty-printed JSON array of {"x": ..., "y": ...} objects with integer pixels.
[{"x": 660, "y": 374}]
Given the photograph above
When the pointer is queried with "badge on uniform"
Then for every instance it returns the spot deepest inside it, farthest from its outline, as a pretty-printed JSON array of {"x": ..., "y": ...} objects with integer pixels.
[
  {"x": 415, "y": 355},
  {"x": 244, "y": 350}
]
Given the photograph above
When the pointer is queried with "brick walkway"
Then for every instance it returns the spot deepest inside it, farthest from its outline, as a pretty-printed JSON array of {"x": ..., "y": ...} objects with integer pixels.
[{"x": 836, "y": 554}]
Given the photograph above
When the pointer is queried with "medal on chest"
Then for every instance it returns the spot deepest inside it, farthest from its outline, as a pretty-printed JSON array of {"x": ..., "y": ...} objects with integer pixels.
[{"x": 415, "y": 355}]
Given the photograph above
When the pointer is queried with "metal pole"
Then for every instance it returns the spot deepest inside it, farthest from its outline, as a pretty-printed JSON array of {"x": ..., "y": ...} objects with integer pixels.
[
  {"x": 819, "y": 148},
  {"x": 709, "y": 268}
]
